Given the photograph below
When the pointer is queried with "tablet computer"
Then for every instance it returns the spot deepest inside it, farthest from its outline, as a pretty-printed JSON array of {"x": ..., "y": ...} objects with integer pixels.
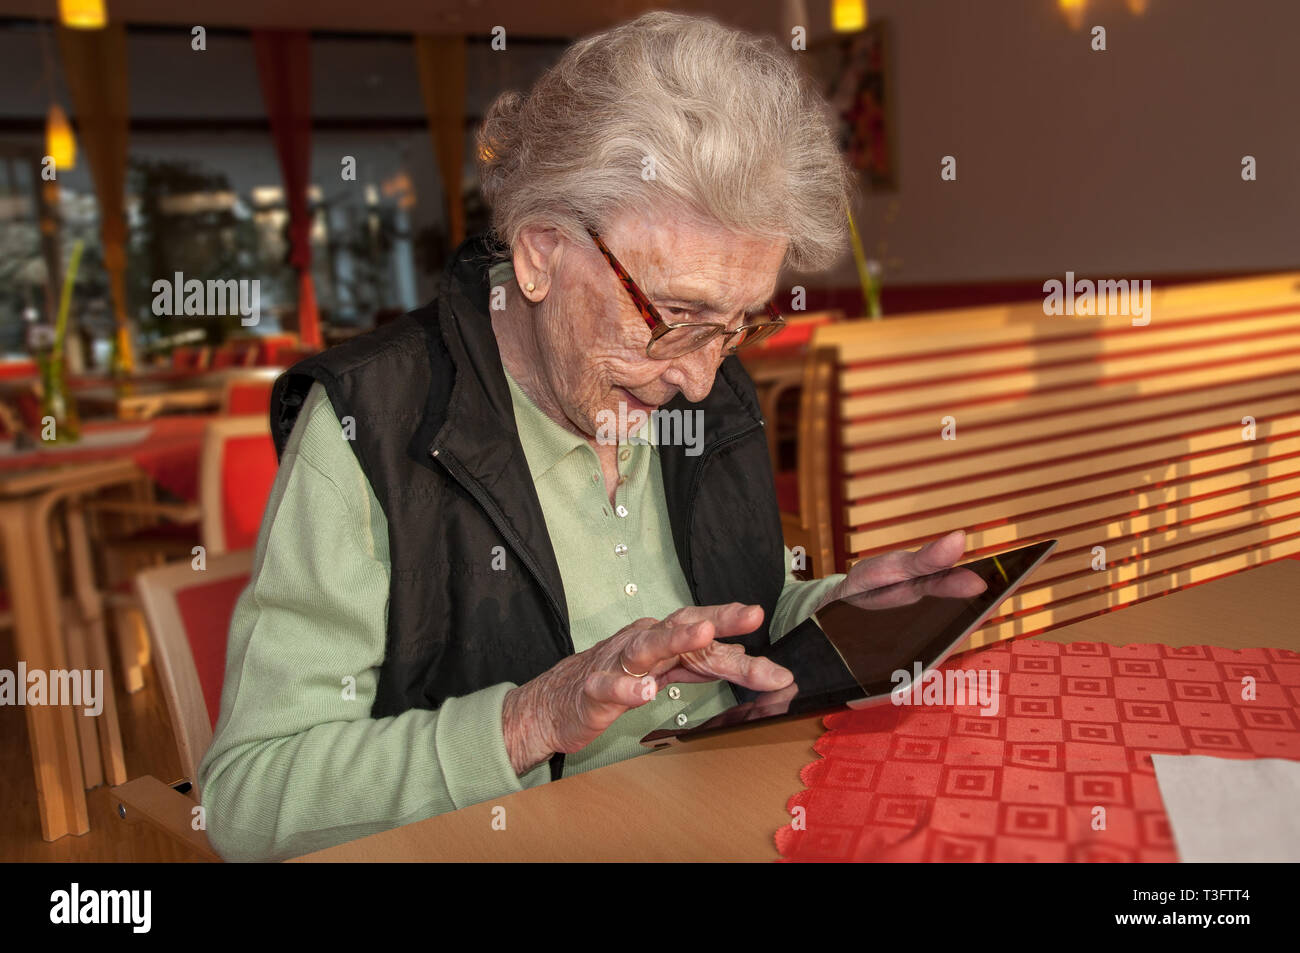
[{"x": 868, "y": 649}]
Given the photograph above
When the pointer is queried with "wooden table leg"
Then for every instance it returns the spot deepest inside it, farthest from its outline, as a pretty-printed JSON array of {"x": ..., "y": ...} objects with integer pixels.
[
  {"x": 131, "y": 638},
  {"x": 131, "y": 657},
  {"x": 91, "y": 610},
  {"x": 74, "y": 642},
  {"x": 52, "y": 729}
]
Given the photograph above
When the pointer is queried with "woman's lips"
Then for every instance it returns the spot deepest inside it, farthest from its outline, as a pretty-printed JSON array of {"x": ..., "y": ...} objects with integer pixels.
[{"x": 633, "y": 403}]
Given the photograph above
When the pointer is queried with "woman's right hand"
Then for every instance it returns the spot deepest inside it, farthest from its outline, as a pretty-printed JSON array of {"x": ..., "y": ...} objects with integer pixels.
[{"x": 570, "y": 704}]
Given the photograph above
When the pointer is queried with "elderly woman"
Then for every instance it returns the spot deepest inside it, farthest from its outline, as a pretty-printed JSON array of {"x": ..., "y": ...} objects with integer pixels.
[{"x": 464, "y": 586}]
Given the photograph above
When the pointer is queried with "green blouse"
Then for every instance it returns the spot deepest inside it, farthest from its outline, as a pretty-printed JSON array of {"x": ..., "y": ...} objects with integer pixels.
[{"x": 297, "y": 763}]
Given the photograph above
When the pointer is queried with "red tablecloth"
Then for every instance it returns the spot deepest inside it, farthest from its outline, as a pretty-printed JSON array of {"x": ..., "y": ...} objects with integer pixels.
[
  {"x": 168, "y": 451},
  {"x": 1074, "y": 731}
]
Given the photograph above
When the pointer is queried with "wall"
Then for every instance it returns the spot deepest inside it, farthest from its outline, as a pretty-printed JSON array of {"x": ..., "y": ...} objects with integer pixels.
[{"x": 1123, "y": 163}]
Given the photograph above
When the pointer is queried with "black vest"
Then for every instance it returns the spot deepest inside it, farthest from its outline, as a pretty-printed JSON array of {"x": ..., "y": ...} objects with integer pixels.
[{"x": 436, "y": 438}]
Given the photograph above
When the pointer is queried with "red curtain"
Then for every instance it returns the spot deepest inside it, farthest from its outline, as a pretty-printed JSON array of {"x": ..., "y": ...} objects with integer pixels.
[{"x": 284, "y": 67}]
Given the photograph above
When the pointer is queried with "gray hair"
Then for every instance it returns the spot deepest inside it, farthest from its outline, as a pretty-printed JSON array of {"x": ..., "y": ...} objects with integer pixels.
[{"x": 736, "y": 134}]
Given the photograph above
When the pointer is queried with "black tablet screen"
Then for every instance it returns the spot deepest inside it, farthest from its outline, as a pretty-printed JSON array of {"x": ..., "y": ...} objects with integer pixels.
[{"x": 857, "y": 647}]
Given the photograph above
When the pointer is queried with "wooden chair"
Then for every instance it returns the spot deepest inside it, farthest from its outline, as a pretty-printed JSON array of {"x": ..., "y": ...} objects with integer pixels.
[
  {"x": 191, "y": 358},
  {"x": 246, "y": 396},
  {"x": 271, "y": 346},
  {"x": 237, "y": 466},
  {"x": 1162, "y": 455},
  {"x": 776, "y": 368},
  {"x": 188, "y": 614},
  {"x": 236, "y": 471},
  {"x": 231, "y": 354},
  {"x": 807, "y": 523}
]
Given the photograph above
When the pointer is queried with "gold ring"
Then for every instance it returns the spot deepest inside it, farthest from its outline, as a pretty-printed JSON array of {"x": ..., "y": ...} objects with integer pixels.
[{"x": 623, "y": 665}]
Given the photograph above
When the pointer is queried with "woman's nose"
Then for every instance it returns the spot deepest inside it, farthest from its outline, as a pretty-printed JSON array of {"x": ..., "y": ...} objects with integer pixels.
[{"x": 693, "y": 373}]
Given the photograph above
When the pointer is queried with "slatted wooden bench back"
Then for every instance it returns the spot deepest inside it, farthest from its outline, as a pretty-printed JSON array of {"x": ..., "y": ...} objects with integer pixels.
[{"x": 1160, "y": 455}]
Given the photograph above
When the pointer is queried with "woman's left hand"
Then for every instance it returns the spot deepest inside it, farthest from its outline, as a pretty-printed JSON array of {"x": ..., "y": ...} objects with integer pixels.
[{"x": 901, "y": 565}]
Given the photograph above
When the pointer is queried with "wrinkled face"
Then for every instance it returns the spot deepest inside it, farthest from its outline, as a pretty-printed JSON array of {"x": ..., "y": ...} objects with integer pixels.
[{"x": 592, "y": 339}]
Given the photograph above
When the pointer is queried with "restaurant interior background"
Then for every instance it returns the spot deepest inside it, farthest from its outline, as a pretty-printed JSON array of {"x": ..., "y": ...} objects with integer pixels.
[{"x": 325, "y": 149}]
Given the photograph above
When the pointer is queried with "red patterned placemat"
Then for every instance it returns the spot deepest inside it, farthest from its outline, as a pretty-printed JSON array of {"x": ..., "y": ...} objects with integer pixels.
[{"x": 1060, "y": 770}]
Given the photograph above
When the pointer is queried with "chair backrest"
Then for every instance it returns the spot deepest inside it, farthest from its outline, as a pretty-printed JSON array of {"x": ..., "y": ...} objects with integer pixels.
[
  {"x": 271, "y": 346},
  {"x": 812, "y": 526},
  {"x": 237, "y": 466},
  {"x": 775, "y": 366},
  {"x": 1160, "y": 455},
  {"x": 191, "y": 358},
  {"x": 245, "y": 396},
  {"x": 233, "y": 354},
  {"x": 188, "y": 612}
]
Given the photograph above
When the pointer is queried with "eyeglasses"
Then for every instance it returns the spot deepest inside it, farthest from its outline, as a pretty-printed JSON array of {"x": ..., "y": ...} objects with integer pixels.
[{"x": 673, "y": 339}]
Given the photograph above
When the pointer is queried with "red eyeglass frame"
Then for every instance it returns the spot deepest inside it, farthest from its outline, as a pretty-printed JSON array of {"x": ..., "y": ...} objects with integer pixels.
[{"x": 659, "y": 327}]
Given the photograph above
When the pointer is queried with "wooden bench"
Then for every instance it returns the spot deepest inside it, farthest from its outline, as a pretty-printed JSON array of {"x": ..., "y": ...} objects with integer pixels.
[{"x": 1133, "y": 445}]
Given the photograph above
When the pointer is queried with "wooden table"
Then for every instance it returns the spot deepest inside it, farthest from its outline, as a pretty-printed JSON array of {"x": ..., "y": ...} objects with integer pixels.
[
  {"x": 724, "y": 798},
  {"x": 149, "y": 397},
  {"x": 167, "y": 449},
  {"x": 71, "y": 751}
]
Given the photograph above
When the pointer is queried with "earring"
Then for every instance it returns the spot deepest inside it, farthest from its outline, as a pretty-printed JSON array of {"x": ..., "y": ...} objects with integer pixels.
[{"x": 530, "y": 287}]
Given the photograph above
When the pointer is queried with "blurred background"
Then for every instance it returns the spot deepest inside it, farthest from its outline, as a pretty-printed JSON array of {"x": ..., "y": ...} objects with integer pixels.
[
  {"x": 1068, "y": 158},
  {"x": 324, "y": 150}
]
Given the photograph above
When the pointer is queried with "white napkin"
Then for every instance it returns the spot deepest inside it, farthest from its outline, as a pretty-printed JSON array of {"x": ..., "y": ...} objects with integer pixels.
[{"x": 1231, "y": 809}]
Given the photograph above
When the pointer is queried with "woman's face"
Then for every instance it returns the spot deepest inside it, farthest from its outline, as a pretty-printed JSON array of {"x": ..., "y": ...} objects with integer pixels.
[{"x": 592, "y": 339}]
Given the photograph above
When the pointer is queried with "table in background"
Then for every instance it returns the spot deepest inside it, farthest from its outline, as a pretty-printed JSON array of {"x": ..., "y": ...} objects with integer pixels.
[
  {"x": 723, "y": 798},
  {"x": 150, "y": 397},
  {"x": 775, "y": 373},
  {"x": 166, "y": 449},
  {"x": 71, "y": 751}
]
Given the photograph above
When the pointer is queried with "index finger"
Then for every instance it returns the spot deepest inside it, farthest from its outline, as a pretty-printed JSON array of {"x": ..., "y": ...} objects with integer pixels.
[
  {"x": 733, "y": 618},
  {"x": 686, "y": 630}
]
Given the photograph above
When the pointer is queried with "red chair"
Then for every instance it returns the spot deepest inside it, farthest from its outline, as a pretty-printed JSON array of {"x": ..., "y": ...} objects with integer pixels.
[
  {"x": 191, "y": 358},
  {"x": 226, "y": 356},
  {"x": 237, "y": 466},
  {"x": 272, "y": 346},
  {"x": 236, "y": 471},
  {"x": 188, "y": 614},
  {"x": 246, "y": 397}
]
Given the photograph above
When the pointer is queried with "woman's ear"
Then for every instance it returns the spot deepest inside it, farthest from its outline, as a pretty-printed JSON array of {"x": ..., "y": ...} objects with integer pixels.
[{"x": 536, "y": 256}]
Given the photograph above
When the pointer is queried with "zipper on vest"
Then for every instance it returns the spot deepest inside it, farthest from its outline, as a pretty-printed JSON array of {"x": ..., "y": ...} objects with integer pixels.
[{"x": 452, "y": 466}]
